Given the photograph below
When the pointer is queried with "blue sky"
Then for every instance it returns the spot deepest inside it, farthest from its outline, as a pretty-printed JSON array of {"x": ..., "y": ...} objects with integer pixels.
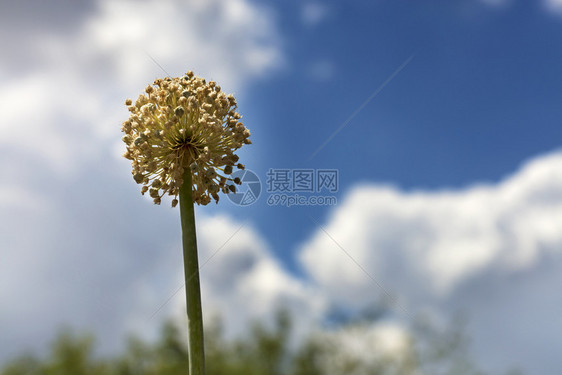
[
  {"x": 450, "y": 195},
  {"x": 478, "y": 98}
]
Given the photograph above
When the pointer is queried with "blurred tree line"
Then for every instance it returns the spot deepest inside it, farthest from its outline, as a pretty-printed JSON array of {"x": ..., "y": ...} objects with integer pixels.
[{"x": 265, "y": 350}]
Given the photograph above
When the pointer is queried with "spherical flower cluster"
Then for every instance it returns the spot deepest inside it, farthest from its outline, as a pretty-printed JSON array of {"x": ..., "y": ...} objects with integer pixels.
[{"x": 184, "y": 122}]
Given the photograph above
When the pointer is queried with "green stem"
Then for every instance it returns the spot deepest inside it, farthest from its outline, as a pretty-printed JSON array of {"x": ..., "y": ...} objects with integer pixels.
[{"x": 192, "y": 287}]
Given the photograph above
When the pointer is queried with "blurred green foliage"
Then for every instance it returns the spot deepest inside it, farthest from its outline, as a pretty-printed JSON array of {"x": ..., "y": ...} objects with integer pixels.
[{"x": 265, "y": 350}]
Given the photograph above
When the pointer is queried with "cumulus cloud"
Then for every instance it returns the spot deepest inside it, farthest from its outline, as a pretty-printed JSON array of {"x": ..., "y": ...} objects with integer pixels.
[
  {"x": 122, "y": 273},
  {"x": 63, "y": 87},
  {"x": 230, "y": 41},
  {"x": 65, "y": 72},
  {"x": 241, "y": 275},
  {"x": 447, "y": 237},
  {"x": 449, "y": 249}
]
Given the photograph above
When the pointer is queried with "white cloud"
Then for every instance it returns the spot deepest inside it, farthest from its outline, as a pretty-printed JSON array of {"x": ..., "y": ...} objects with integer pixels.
[
  {"x": 113, "y": 274},
  {"x": 241, "y": 275},
  {"x": 486, "y": 248},
  {"x": 67, "y": 97},
  {"x": 49, "y": 116},
  {"x": 61, "y": 103},
  {"x": 446, "y": 237},
  {"x": 64, "y": 81},
  {"x": 229, "y": 41}
]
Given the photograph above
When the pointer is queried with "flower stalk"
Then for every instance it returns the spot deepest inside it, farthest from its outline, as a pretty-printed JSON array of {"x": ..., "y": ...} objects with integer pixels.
[{"x": 192, "y": 285}]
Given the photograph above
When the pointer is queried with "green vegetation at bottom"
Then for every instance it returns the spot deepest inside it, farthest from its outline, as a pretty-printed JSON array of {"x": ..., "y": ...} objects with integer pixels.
[{"x": 265, "y": 350}]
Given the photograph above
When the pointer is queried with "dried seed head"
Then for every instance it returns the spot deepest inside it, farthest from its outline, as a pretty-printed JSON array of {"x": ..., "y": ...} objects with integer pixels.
[{"x": 184, "y": 122}]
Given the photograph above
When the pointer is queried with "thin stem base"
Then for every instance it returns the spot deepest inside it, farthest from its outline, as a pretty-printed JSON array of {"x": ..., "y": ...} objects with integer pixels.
[{"x": 192, "y": 283}]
